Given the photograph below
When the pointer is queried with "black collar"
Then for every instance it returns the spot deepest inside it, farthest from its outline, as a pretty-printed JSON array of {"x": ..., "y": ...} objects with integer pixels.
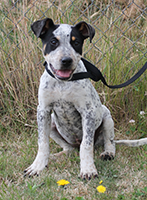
[{"x": 95, "y": 74}]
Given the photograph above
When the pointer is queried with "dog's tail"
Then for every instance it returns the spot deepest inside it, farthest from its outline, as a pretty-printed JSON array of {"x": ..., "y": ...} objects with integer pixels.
[{"x": 132, "y": 143}]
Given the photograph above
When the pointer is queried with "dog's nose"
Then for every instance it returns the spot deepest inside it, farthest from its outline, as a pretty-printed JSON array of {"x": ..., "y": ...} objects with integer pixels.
[{"x": 66, "y": 61}]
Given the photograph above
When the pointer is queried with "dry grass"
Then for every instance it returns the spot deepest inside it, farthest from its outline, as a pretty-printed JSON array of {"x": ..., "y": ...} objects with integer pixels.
[
  {"x": 21, "y": 68},
  {"x": 22, "y": 57}
]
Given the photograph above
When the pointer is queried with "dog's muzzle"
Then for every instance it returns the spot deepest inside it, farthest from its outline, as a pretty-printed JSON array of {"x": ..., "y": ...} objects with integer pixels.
[{"x": 66, "y": 71}]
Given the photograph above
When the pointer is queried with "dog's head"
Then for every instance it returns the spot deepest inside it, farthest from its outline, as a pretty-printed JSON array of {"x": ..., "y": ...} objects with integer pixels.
[{"x": 62, "y": 45}]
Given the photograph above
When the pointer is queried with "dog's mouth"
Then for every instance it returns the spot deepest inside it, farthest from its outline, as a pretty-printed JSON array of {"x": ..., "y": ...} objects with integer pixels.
[{"x": 64, "y": 74}]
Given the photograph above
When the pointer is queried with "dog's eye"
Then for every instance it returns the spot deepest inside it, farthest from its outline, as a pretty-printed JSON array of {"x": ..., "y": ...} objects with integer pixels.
[
  {"x": 54, "y": 42},
  {"x": 76, "y": 42}
]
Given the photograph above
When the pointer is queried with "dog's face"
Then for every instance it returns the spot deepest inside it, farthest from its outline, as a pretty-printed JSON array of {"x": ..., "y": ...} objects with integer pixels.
[{"x": 62, "y": 45}]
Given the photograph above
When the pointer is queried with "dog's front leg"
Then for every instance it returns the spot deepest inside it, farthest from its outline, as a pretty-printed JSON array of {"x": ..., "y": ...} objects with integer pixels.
[
  {"x": 44, "y": 126},
  {"x": 88, "y": 169}
]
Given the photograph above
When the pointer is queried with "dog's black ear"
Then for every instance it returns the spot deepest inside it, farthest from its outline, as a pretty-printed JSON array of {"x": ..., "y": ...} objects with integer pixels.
[
  {"x": 86, "y": 30},
  {"x": 40, "y": 27}
]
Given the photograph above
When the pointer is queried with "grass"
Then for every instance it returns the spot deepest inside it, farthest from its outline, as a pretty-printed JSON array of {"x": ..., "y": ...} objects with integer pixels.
[
  {"x": 21, "y": 67},
  {"x": 124, "y": 177}
]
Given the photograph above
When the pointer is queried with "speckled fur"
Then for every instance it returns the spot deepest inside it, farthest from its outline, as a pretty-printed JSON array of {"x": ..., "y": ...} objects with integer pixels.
[{"x": 76, "y": 110}]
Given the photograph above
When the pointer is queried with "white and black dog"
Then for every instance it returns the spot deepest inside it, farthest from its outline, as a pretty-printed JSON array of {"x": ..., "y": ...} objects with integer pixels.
[{"x": 70, "y": 112}]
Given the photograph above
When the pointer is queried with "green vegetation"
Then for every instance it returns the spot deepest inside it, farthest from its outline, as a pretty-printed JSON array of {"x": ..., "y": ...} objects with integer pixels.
[{"x": 119, "y": 42}]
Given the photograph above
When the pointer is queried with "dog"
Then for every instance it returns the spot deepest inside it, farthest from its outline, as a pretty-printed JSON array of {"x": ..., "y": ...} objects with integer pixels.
[{"x": 70, "y": 112}]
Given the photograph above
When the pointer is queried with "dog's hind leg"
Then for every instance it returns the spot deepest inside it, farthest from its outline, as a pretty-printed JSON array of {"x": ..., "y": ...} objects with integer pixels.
[
  {"x": 108, "y": 135},
  {"x": 55, "y": 135}
]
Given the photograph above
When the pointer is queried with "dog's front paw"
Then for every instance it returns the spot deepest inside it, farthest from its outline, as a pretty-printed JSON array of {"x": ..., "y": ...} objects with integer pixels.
[
  {"x": 88, "y": 172},
  {"x": 107, "y": 155},
  {"x": 37, "y": 166}
]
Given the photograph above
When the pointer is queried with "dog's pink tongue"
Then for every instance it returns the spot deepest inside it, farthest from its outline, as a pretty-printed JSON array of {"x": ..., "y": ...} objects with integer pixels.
[{"x": 63, "y": 73}]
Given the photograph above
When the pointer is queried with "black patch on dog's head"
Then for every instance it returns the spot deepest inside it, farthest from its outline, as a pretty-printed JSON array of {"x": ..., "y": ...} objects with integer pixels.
[
  {"x": 79, "y": 33},
  {"x": 76, "y": 40},
  {"x": 50, "y": 43},
  {"x": 44, "y": 30},
  {"x": 41, "y": 27}
]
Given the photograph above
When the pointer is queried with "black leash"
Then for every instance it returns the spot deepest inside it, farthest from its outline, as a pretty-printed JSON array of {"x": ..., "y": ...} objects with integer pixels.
[{"x": 95, "y": 74}]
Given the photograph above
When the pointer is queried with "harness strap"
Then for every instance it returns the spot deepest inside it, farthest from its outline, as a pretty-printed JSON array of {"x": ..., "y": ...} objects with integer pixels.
[{"x": 95, "y": 74}]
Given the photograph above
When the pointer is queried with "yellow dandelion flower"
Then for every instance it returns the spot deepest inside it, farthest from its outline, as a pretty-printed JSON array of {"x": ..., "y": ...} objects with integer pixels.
[
  {"x": 101, "y": 189},
  {"x": 62, "y": 182},
  {"x": 100, "y": 182}
]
